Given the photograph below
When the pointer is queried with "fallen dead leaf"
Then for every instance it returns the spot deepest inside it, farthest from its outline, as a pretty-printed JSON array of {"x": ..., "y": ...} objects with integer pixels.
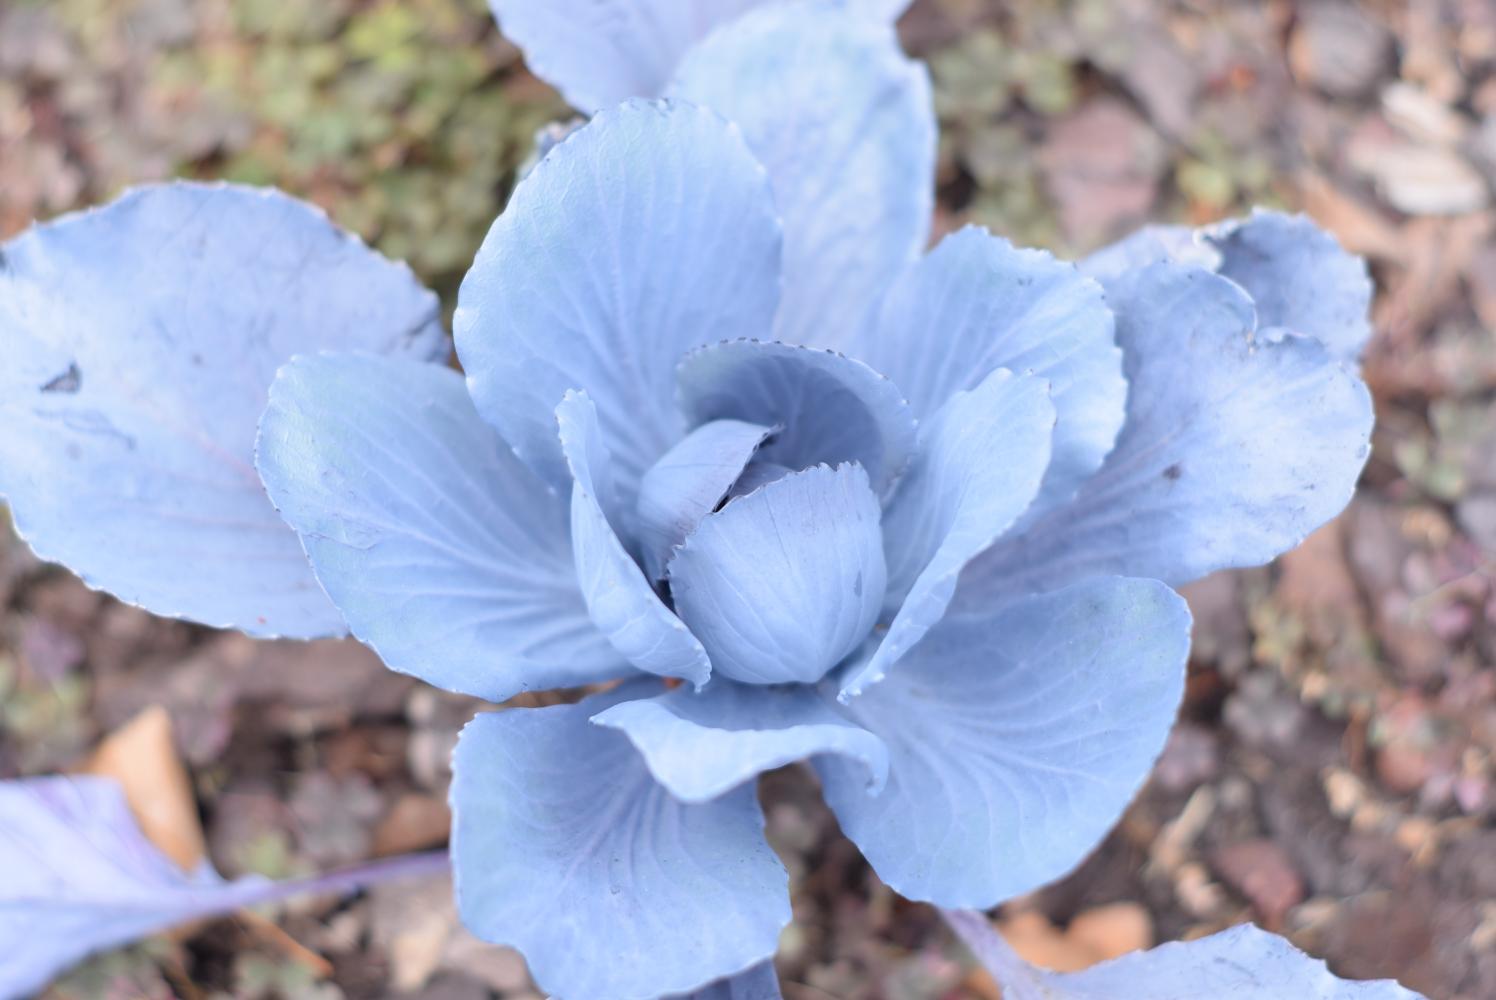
[
  {"x": 142, "y": 757},
  {"x": 414, "y": 822},
  {"x": 1114, "y": 930},
  {"x": 1095, "y": 935}
]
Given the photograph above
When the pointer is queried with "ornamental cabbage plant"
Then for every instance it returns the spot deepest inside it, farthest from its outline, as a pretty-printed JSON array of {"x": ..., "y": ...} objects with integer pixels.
[{"x": 729, "y": 450}]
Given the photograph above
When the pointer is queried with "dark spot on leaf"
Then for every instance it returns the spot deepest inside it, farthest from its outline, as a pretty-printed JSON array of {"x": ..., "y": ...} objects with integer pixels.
[
  {"x": 69, "y": 381},
  {"x": 1173, "y": 472}
]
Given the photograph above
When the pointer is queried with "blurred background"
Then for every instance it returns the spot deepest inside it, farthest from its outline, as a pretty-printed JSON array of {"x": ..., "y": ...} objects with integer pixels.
[{"x": 1332, "y": 773}]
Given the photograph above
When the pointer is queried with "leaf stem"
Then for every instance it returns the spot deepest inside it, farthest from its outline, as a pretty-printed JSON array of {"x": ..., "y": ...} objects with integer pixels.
[
  {"x": 1019, "y": 979},
  {"x": 356, "y": 877}
]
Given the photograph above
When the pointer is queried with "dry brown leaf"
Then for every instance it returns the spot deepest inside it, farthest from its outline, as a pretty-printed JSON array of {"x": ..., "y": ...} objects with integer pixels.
[
  {"x": 1114, "y": 930},
  {"x": 1095, "y": 935},
  {"x": 415, "y": 822},
  {"x": 142, "y": 756}
]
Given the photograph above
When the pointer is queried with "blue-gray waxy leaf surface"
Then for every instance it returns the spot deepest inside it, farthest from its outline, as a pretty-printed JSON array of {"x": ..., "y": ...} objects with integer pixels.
[
  {"x": 804, "y": 548},
  {"x": 1015, "y": 739},
  {"x": 442, "y": 550},
  {"x": 1241, "y": 963},
  {"x": 600, "y": 52},
  {"x": 77, "y": 876},
  {"x": 140, "y": 340},
  {"x": 567, "y": 848},
  {"x": 841, "y": 119}
]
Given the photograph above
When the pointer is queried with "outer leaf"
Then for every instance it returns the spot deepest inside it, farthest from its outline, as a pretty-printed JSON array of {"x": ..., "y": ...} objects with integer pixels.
[
  {"x": 1016, "y": 740},
  {"x": 759, "y": 983},
  {"x": 975, "y": 304},
  {"x": 567, "y": 849},
  {"x": 620, "y": 600},
  {"x": 140, "y": 340},
  {"x": 1238, "y": 444},
  {"x": 687, "y": 484},
  {"x": 784, "y": 582},
  {"x": 645, "y": 233},
  {"x": 1241, "y": 963},
  {"x": 828, "y": 408},
  {"x": 1299, "y": 278},
  {"x": 700, "y": 745},
  {"x": 446, "y": 555},
  {"x": 80, "y": 877},
  {"x": 600, "y": 52},
  {"x": 844, "y": 124},
  {"x": 978, "y": 466}
]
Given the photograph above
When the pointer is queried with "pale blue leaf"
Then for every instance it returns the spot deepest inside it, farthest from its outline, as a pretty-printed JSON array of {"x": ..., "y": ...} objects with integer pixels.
[
  {"x": 1296, "y": 273},
  {"x": 80, "y": 877},
  {"x": 1241, "y": 963},
  {"x": 601, "y": 52},
  {"x": 620, "y": 600},
  {"x": 827, "y": 407},
  {"x": 1016, "y": 740},
  {"x": 446, "y": 555},
  {"x": 975, "y": 304},
  {"x": 687, "y": 484},
  {"x": 1299, "y": 278},
  {"x": 140, "y": 340},
  {"x": 782, "y": 583},
  {"x": 844, "y": 123},
  {"x": 1238, "y": 444},
  {"x": 978, "y": 465},
  {"x": 565, "y": 848},
  {"x": 759, "y": 983},
  {"x": 647, "y": 232},
  {"x": 702, "y": 744}
]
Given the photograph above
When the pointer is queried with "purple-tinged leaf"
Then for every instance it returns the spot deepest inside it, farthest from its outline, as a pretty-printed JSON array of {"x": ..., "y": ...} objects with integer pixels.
[{"x": 77, "y": 876}]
